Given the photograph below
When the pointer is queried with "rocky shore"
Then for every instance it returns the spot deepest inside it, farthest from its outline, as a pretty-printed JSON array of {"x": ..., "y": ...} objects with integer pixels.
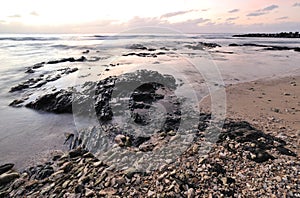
[{"x": 244, "y": 162}]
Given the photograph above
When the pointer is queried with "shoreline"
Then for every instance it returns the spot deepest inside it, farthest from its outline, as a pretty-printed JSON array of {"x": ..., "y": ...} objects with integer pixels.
[{"x": 269, "y": 105}]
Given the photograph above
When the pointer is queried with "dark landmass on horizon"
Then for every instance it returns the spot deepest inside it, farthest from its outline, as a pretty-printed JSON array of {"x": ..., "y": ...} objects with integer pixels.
[{"x": 269, "y": 35}]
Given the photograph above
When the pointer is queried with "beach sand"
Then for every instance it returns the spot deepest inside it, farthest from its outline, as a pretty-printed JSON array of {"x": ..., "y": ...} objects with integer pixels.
[{"x": 272, "y": 105}]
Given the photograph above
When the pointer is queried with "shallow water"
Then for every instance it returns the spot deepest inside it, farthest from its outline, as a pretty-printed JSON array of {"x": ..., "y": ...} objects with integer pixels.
[{"x": 26, "y": 133}]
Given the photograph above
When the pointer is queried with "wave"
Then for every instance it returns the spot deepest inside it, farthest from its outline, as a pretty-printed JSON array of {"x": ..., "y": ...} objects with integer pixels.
[{"x": 29, "y": 38}]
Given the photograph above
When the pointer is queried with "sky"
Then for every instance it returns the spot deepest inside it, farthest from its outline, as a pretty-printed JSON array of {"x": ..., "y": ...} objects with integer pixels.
[{"x": 113, "y": 16}]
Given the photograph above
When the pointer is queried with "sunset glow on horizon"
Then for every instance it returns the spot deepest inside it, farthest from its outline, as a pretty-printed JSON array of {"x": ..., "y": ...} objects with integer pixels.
[{"x": 92, "y": 16}]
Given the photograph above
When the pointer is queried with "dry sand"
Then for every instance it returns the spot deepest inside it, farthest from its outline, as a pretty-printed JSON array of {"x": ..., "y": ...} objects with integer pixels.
[{"x": 272, "y": 105}]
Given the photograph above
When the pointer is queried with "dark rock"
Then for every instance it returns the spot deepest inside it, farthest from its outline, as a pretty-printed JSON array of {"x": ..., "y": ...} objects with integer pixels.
[
  {"x": 4, "y": 194},
  {"x": 44, "y": 172},
  {"x": 38, "y": 65},
  {"x": 137, "y": 47},
  {"x": 285, "y": 151},
  {"x": 17, "y": 103},
  {"x": 86, "y": 51},
  {"x": 70, "y": 70},
  {"x": 259, "y": 156},
  {"x": 6, "y": 178},
  {"x": 202, "y": 46},
  {"x": 53, "y": 78},
  {"x": 6, "y": 167},
  {"x": 266, "y": 47},
  {"x": 164, "y": 48},
  {"x": 77, "y": 152},
  {"x": 79, "y": 189},
  {"x": 19, "y": 87},
  {"x": 57, "y": 102},
  {"x": 216, "y": 167},
  {"x": 81, "y": 59},
  {"x": 243, "y": 133},
  {"x": 234, "y": 45},
  {"x": 30, "y": 70}
]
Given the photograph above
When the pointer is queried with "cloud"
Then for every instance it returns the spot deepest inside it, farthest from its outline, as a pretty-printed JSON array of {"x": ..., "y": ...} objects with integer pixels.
[
  {"x": 204, "y": 10},
  {"x": 232, "y": 18},
  {"x": 15, "y": 16},
  {"x": 34, "y": 13},
  {"x": 269, "y": 8},
  {"x": 2, "y": 21},
  {"x": 263, "y": 11},
  {"x": 233, "y": 11},
  {"x": 282, "y": 18},
  {"x": 257, "y": 13},
  {"x": 172, "y": 14},
  {"x": 296, "y": 4}
]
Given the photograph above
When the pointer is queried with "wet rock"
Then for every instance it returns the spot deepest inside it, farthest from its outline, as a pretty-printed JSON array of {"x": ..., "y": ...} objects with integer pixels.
[
  {"x": 38, "y": 65},
  {"x": 6, "y": 178},
  {"x": 266, "y": 47},
  {"x": 45, "y": 173},
  {"x": 6, "y": 167},
  {"x": 137, "y": 47},
  {"x": 76, "y": 152},
  {"x": 81, "y": 59},
  {"x": 57, "y": 102},
  {"x": 30, "y": 70},
  {"x": 202, "y": 46}
]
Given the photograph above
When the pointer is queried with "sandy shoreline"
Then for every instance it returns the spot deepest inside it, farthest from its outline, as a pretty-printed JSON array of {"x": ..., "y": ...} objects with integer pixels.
[{"x": 272, "y": 105}]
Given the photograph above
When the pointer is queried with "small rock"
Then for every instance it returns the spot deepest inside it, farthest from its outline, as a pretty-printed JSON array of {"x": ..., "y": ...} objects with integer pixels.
[
  {"x": 120, "y": 139},
  {"x": 65, "y": 184},
  {"x": 97, "y": 164},
  {"x": 79, "y": 189},
  {"x": 8, "y": 177},
  {"x": 77, "y": 152},
  {"x": 66, "y": 167},
  {"x": 277, "y": 178},
  {"x": 191, "y": 193},
  {"x": 6, "y": 167},
  {"x": 151, "y": 193},
  {"x": 89, "y": 193}
]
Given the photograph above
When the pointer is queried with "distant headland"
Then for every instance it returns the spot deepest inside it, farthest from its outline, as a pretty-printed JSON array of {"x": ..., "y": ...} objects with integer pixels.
[{"x": 274, "y": 35}]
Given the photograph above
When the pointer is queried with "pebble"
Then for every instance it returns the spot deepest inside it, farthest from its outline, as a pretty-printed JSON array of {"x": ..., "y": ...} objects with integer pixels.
[
  {"x": 191, "y": 193},
  {"x": 8, "y": 177}
]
